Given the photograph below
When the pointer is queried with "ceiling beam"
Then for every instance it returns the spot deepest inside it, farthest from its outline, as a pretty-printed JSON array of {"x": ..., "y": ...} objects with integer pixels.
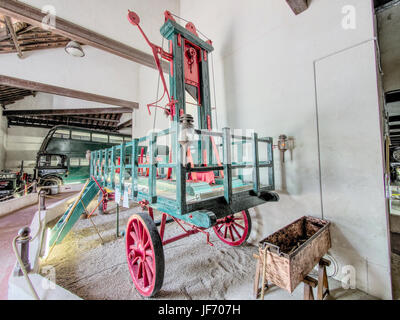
[
  {"x": 70, "y": 93},
  {"x": 394, "y": 118},
  {"x": 14, "y": 95},
  {"x": 11, "y": 30},
  {"x": 34, "y": 16},
  {"x": 65, "y": 112},
  {"x": 40, "y": 123},
  {"x": 392, "y": 96},
  {"x": 93, "y": 119},
  {"x": 298, "y": 6},
  {"x": 125, "y": 124},
  {"x": 394, "y": 127}
]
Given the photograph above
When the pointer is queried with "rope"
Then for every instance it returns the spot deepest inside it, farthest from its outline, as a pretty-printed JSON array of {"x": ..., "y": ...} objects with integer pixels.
[
  {"x": 190, "y": 21},
  {"x": 17, "y": 255},
  {"x": 16, "y": 192},
  {"x": 21, "y": 264},
  {"x": 215, "y": 92},
  {"x": 158, "y": 91}
]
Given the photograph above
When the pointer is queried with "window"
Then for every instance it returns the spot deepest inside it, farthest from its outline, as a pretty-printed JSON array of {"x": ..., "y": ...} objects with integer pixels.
[
  {"x": 78, "y": 162},
  {"x": 74, "y": 162},
  {"x": 84, "y": 162},
  {"x": 79, "y": 135},
  {"x": 63, "y": 134},
  {"x": 99, "y": 137},
  {"x": 116, "y": 139},
  {"x": 127, "y": 139}
]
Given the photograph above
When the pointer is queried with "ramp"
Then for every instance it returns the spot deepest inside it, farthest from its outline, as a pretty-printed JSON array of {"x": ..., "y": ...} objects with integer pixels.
[{"x": 73, "y": 213}]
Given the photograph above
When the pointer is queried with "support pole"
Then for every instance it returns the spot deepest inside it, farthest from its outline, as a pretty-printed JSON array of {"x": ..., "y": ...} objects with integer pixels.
[
  {"x": 42, "y": 199},
  {"x": 23, "y": 251},
  {"x": 227, "y": 145}
]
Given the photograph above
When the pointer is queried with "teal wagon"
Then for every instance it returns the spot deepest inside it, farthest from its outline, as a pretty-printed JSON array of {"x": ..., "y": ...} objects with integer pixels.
[
  {"x": 197, "y": 177},
  {"x": 194, "y": 175}
]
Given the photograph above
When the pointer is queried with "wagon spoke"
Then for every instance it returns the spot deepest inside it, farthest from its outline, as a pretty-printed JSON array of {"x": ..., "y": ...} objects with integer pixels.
[
  {"x": 148, "y": 272},
  {"x": 230, "y": 231},
  {"x": 220, "y": 227},
  {"x": 149, "y": 261},
  {"x": 139, "y": 271},
  {"x": 145, "y": 279},
  {"x": 147, "y": 244},
  {"x": 140, "y": 231},
  {"x": 236, "y": 231},
  {"x": 238, "y": 225},
  {"x": 135, "y": 260},
  {"x": 145, "y": 238},
  {"x": 136, "y": 231},
  {"x": 134, "y": 236},
  {"x": 226, "y": 230}
]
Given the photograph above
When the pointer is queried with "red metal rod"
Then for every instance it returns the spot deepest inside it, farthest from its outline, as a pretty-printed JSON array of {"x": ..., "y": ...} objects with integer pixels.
[
  {"x": 184, "y": 235},
  {"x": 151, "y": 213},
  {"x": 162, "y": 227}
]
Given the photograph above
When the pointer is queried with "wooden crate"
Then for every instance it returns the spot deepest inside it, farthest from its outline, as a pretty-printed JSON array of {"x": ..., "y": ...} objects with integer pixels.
[{"x": 293, "y": 251}]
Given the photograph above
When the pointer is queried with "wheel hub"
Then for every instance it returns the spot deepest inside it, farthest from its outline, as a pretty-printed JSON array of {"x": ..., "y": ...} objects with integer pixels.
[{"x": 233, "y": 230}]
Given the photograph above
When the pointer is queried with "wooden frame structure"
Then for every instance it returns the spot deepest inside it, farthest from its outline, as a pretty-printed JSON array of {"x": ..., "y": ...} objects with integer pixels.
[
  {"x": 101, "y": 118},
  {"x": 34, "y": 17}
]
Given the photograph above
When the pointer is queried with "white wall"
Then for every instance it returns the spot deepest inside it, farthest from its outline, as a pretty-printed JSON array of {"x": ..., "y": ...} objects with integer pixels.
[
  {"x": 23, "y": 145},
  {"x": 264, "y": 60},
  {"x": 148, "y": 93}
]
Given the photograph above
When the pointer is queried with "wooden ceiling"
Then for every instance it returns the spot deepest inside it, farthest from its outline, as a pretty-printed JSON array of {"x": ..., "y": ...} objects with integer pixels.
[
  {"x": 19, "y": 37},
  {"x": 9, "y": 95},
  {"x": 394, "y": 119},
  {"x": 99, "y": 119},
  {"x": 379, "y": 3}
]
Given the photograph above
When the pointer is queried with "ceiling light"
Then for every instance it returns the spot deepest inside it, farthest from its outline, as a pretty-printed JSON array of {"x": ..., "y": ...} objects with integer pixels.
[{"x": 74, "y": 49}]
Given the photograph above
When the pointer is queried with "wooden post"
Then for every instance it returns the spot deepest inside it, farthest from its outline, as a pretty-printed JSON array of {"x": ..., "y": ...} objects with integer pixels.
[
  {"x": 323, "y": 286},
  {"x": 13, "y": 35},
  {"x": 264, "y": 282},
  {"x": 309, "y": 284}
]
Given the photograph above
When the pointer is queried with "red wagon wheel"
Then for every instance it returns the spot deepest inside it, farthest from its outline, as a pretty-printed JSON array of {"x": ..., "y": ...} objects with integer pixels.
[
  {"x": 145, "y": 254},
  {"x": 234, "y": 230}
]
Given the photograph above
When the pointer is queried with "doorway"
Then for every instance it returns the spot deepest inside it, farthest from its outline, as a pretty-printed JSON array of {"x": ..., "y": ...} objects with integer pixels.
[{"x": 388, "y": 26}]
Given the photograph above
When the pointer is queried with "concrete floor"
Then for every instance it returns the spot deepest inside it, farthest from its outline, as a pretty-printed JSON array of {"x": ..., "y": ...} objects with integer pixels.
[
  {"x": 193, "y": 269},
  {"x": 9, "y": 226}
]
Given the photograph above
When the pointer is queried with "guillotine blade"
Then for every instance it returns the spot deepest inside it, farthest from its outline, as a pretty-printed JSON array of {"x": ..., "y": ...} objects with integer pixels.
[{"x": 193, "y": 91}]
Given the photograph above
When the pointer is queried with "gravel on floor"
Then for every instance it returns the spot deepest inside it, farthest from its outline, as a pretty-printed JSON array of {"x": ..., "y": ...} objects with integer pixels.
[{"x": 193, "y": 269}]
